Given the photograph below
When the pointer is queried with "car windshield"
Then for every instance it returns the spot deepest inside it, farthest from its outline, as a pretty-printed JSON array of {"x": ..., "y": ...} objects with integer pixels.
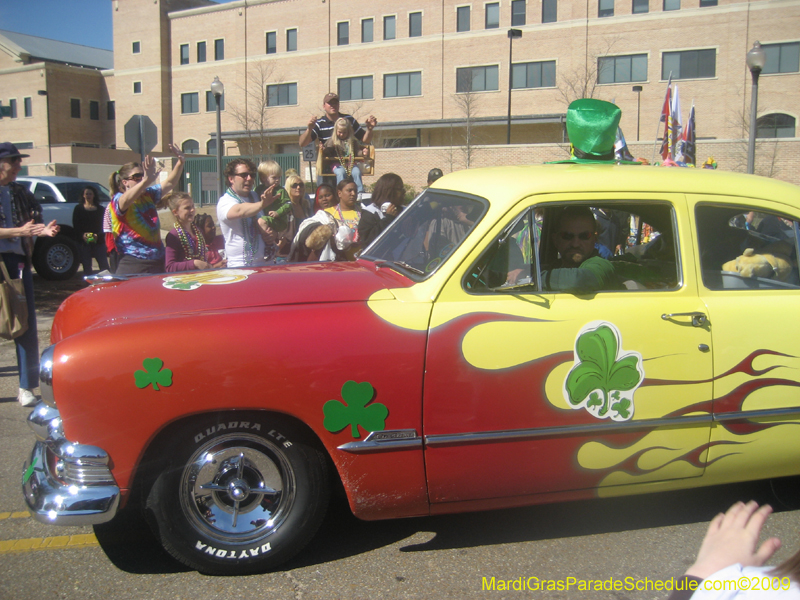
[
  {"x": 73, "y": 190},
  {"x": 427, "y": 232}
]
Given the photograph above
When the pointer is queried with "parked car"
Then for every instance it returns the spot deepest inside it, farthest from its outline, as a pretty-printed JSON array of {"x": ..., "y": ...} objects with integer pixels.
[
  {"x": 439, "y": 373},
  {"x": 57, "y": 257}
]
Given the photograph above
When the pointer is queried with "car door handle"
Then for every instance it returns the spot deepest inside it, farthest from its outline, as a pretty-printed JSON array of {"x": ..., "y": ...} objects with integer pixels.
[{"x": 698, "y": 318}]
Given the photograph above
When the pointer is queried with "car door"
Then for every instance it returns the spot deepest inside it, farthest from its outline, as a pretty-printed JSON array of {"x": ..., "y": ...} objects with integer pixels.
[
  {"x": 507, "y": 411},
  {"x": 755, "y": 331}
]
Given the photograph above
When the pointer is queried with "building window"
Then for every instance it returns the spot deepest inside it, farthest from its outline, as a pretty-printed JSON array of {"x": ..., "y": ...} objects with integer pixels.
[
  {"x": 137, "y": 87},
  {"x": 219, "y": 49},
  {"x": 342, "y": 34},
  {"x": 291, "y": 40},
  {"x": 201, "y": 52},
  {"x": 492, "y": 15},
  {"x": 211, "y": 104},
  {"x": 622, "y": 69},
  {"x": 704, "y": 3},
  {"x": 389, "y": 27},
  {"x": 211, "y": 147},
  {"x": 775, "y": 126},
  {"x": 366, "y": 30},
  {"x": 689, "y": 64},
  {"x": 94, "y": 110},
  {"x": 605, "y": 8},
  {"x": 184, "y": 54},
  {"x": 462, "y": 18},
  {"x": 477, "y": 79},
  {"x": 549, "y": 11},
  {"x": 282, "y": 94},
  {"x": 12, "y": 106},
  {"x": 518, "y": 13},
  {"x": 533, "y": 75},
  {"x": 111, "y": 111},
  {"x": 272, "y": 42},
  {"x": 415, "y": 24},
  {"x": 640, "y": 6},
  {"x": 402, "y": 84},
  {"x": 782, "y": 58},
  {"x": 190, "y": 147},
  {"x": 136, "y": 47},
  {"x": 27, "y": 106},
  {"x": 355, "y": 88},
  {"x": 190, "y": 103},
  {"x": 74, "y": 108},
  {"x": 672, "y": 5}
]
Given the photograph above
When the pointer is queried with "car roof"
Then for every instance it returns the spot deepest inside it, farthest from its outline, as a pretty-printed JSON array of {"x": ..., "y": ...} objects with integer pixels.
[
  {"x": 54, "y": 179},
  {"x": 507, "y": 185}
]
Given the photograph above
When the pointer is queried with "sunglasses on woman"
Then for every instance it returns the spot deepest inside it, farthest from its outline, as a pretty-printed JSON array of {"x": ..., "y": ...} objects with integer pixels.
[
  {"x": 135, "y": 177},
  {"x": 297, "y": 185}
]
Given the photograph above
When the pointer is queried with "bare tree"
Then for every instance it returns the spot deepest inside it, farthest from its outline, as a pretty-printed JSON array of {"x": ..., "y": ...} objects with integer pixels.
[
  {"x": 468, "y": 104},
  {"x": 581, "y": 81},
  {"x": 253, "y": 113},
  {"x": 767, "y": 150}
]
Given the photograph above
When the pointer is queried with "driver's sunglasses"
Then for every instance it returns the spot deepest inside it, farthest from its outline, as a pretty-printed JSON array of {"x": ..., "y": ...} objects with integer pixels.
[
  {"x": 135, "y": 177},
  {"x": 567, "y": 236}
]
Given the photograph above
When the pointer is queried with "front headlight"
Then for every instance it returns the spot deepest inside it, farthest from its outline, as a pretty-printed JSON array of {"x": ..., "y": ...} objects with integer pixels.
[{"x": 46, "y": 376}]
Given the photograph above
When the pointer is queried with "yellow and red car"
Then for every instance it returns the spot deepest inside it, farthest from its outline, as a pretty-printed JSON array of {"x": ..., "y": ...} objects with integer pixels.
[{"x": 424, "y": 377}]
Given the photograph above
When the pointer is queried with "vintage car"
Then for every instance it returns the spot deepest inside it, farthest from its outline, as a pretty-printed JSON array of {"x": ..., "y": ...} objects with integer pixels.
[{"x": 441, "y": 372}]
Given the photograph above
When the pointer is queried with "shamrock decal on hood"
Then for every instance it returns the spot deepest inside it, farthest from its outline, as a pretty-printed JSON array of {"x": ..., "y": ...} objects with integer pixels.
[
  {"x": 604, "y": 377},
  {"x": 355, "y": 412}
]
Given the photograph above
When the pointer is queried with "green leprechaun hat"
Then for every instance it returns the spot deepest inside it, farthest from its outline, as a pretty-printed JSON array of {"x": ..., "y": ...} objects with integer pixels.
[{"x": 592, "y": 129}]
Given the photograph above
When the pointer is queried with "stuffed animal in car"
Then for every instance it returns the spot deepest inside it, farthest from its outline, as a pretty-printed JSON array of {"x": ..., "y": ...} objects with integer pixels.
[{"x": 771, "y": 261}]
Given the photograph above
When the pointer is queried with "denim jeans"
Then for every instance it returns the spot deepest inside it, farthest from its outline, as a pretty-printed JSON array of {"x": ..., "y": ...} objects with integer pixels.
[
  {"x": 28, "y": 343},
  {"x": 341, "y": 173}
]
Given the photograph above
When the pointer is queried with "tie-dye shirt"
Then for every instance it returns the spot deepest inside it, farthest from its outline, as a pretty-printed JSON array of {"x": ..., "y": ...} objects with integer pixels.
[{"x": 137, "y": 230}]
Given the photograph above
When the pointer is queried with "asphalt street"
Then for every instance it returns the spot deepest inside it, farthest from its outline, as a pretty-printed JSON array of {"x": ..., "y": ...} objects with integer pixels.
[{"x": 653, "y": 537}]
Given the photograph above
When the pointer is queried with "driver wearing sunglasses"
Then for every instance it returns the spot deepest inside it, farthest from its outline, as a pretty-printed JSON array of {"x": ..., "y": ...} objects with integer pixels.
[{"x": 579, "y": 268}]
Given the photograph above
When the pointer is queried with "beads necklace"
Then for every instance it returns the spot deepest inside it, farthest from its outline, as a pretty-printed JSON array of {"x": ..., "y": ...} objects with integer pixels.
[
  {"x": 348, "y": 159},
  {"x": 192, "y": 250},
  {"x": 249, "y": 229}
]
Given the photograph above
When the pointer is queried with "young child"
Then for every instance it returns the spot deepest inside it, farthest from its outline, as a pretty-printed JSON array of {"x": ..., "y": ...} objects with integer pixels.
[
  {"x": 186, "y": 247},
  {"x": 269, "y": 173},
  {"x": 344, "y": 147}
]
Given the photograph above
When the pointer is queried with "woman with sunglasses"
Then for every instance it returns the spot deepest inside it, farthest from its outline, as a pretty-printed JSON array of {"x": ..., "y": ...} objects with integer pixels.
[
  {"x": 300, "y": 211},
  {"x": 134, "y": 213}
]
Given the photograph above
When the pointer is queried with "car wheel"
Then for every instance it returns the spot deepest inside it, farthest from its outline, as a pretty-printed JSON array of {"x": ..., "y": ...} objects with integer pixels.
[
  {"x": 236, "y": 499},
  {"x": 55, "y": 258}
]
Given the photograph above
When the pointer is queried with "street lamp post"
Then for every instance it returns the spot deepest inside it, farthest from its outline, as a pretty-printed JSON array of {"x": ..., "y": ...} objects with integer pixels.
[
  {"x": 217, "y": 88},
  {"x": 47, "y": 110},
  {"x": 512, "y": 33},
  {"x": 638, "y": 90},
  {"x": 756, "y": 59}
]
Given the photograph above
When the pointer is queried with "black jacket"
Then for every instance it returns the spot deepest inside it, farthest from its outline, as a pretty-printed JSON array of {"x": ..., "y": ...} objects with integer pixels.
[{"x": 25, "y": 208}]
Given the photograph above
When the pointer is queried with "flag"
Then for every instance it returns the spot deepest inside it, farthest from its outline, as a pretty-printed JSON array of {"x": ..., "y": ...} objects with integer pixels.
[
  {"x": 675, "y": 124},
  {"x": 686, "y": 146},
  {"x": 621, "y": 151},
  {"x": 665, "y": 117}
]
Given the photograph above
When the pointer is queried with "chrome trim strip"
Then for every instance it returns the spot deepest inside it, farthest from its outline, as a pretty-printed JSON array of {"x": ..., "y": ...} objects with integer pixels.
[
  {"x": 756, "y": 414},
  {"x": 526, "y": 434},
  {"x": 381, "y": 441}
]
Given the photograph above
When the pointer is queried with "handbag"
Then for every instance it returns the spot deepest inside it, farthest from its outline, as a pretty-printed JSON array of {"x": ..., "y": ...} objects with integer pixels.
[{"x": 13, "y": 306}]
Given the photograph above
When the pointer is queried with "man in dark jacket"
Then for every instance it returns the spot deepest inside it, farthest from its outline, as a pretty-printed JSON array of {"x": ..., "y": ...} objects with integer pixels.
[{"x": 20, "y": 222}]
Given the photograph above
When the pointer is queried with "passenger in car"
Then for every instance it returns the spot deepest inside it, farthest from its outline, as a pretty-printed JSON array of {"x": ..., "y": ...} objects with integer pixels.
[{"x": 578, "y": 268}]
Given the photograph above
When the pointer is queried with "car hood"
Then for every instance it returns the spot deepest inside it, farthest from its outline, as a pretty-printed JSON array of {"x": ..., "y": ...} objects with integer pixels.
[{"x": 219, "y": 290}]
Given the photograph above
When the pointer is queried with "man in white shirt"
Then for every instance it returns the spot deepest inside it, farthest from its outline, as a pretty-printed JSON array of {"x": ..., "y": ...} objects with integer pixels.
[{"x": 239, "y": 212}]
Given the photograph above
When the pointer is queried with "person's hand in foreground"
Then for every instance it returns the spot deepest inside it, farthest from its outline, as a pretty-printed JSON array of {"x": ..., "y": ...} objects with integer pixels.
[{"x": 732, "y": 538}]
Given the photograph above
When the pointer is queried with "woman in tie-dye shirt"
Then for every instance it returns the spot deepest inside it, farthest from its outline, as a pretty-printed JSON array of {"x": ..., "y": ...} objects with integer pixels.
[{"x": 134, "y": 214}]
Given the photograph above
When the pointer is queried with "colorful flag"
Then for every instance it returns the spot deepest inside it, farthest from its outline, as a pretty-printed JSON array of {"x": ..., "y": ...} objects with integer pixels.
[
  {"x": 686, "y": 146},
  {"x": 665, "y": 118},
  {"x": 621, "y": 151},
  {"x": 675, "y": 122}
]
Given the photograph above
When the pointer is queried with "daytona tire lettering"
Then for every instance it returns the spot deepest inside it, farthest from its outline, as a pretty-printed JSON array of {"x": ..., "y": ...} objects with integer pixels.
[{"x": 240, "y": 554}]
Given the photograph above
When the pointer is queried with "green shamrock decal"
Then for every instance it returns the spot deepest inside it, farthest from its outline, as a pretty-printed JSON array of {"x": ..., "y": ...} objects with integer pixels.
[
  {"x": 181, "y": 285},
  {"x": 29, "y": 471},
  {"x": 152, "y": 374},
  {"x": 354, "y": 410},
  {"x": 603, "y": 373}
]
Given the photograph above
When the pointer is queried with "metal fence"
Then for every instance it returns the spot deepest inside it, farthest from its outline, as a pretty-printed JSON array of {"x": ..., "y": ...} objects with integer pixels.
[{"x": 200, "y": 174}]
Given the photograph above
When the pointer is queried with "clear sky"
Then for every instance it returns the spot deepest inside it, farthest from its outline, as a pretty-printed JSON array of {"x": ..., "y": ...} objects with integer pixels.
[{"x": 86, "y": 22}]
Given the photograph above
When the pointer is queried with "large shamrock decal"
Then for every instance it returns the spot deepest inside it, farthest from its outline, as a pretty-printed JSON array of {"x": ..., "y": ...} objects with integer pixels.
[
  {"x": 354, "y": 410},
  {"x": 152, "y": 375},
  {"x": 604, "y": 377}
]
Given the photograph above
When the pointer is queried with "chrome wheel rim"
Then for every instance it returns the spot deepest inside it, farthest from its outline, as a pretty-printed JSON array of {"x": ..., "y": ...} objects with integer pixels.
[{"x": 237, "y": 488}]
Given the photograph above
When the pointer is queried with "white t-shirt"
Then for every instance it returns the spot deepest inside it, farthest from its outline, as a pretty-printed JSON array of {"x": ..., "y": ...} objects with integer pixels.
[
  {"x": 746, "y": 583},
  {"x": 233, "y": 230}
]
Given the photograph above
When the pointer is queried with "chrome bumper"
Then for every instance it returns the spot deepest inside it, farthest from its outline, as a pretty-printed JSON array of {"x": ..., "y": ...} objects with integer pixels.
[{"x": 66, "y": 483}]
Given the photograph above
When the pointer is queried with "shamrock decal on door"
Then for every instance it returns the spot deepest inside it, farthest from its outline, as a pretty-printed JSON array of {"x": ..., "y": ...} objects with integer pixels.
[
  {"x": 354, "y": 410},
  {"x": 604, "y": 376}
]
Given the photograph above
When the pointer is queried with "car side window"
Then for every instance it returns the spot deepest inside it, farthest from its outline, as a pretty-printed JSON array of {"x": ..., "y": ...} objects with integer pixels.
[
  {"x": 44, "y": 194},
  {"x": 581, "y": 249},
  {"x": 743, "y": 248}
]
